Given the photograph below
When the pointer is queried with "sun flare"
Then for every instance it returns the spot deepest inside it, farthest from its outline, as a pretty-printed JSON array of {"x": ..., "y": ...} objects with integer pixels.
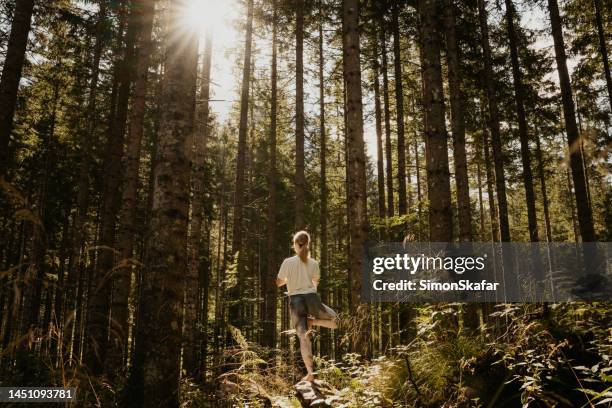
[{"x": 208, "y": 15}]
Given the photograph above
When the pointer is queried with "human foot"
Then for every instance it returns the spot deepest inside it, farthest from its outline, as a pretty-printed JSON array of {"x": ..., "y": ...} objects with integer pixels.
[{"x": 309, "y": 378}]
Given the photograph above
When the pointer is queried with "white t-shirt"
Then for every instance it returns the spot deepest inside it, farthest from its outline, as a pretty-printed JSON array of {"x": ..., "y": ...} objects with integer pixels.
[{"x": 299, "y": 275}]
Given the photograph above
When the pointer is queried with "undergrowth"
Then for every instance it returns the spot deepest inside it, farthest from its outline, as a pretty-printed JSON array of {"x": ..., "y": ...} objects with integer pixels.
[{"x": 524, "y": 355}]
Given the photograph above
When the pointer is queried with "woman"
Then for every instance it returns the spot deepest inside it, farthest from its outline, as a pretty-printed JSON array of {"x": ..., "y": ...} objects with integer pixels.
[{"x": 301, "y": 275}]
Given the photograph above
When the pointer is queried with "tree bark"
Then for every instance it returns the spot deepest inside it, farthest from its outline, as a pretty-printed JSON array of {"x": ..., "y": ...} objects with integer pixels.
[
  {"x": 162, "y": 292},
  {"x": 99, "y": 301},
  {"x": 36, "y": 271},
  {"x": 522, "y": 122},
  {"x": 480, "y": 198},
  {"x": 356, "y": 165},
  {"x": 388, "y": 151},
  {"x": 198, "y": 270},
  {"x": 585, "y": 215},
  {"x": 490, "y": 183},
  {"x": 82, "y": 201},
  {"x": 380, "y": 165},
  {"x": 234, "y": 312},
  {"x": 118, "y": 351},
  {"x": 542, "y": 178},
  {"x": 603, "y": 50},
  {"x": 399, "y": 110},
  {"x": 417, "y": 171},
  {"x": 300, "y": 181},
  {"x": 270, "y": 290},
  {"x": 464, "y": 213},
  {"x": 438, "y": 176},
  {"x": 498, "y": 159},
  {"x": 575, "y": 227},
  {"x": 11, "y": 75},
  {"x": 326, "y": 338}
]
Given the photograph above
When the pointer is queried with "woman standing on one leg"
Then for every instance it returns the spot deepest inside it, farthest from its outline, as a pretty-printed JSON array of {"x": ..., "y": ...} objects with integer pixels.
[{"x": 301, "y": 275}]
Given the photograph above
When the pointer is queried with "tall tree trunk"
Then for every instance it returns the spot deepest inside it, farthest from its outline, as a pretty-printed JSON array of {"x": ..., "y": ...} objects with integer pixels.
[
  {"x": 498, "y": 159},
  {"x": 145, "y": 10},
  {"x": 572, "y": 206},
  {"x": 417, "y": 171},
  {"x": 234, "y": 312},
  {"x": 388, "y": 151},
  {"x": 399, "y": 110},
  {"x": 11, "y": 75},
  {"x": 82, "y": 201},
  {"x": 532, "y": 218},
  {"x": 480, "y": 198},
  {"x": 510, "y": 281},
  {"x": 197, "y": 271},
  {"x": 457, "y": 124},
  {"x": 204, "y": 290},
  {"x": 438, "y": 176},
  {"x": 490, "y": 183},
  {"x": 270, "y": 290},
  {"x": 325, "y": 339},
  {"x": 99, "y": 301},
  {"x": 356, "y": 165},
  {"x": 522, "y": 122},
  {"x": 585, "y": 215},
  {"x": 300, "y": 181},
  {"x": 57, "y": 317},
  {"x": 379, "y": 145},
  {"x": 545, "y": 204},
  {"x": 603, "y": 50},
  {"x": 162, "y": 292},
  {"x": 41, "y": 234}
]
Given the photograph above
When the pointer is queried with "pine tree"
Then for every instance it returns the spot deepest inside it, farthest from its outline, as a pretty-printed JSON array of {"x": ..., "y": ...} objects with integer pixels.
[
  {"x": 438, "y": 176},
  {"x": 163, "y": 287},
  {"x": 585, "y": 215},
  {"x": 239, "y": 195},
  {"x": 464, "y": 214},
  {"x": 270, "y": 299},
  {"x": 358, "y": 227},
  {"x": 11, "y": 75}
]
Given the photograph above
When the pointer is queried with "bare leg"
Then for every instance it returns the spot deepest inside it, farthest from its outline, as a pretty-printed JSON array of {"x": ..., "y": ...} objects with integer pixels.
[
  {"x": 306, "y": 350},
  {"x": 330, "y": 324},
  {"x": 328, "y": 318}
]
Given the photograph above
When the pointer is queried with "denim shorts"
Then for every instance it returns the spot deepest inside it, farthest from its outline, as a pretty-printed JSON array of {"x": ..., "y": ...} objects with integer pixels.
[{"x": 308, "y": 304}]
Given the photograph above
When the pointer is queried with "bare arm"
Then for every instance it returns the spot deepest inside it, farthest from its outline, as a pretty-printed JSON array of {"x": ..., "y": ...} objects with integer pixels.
[{"x": 280, "y": 282}]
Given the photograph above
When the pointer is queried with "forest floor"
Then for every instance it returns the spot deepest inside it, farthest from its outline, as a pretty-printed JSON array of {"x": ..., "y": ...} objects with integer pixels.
[{"x": 522, "y": 357}]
